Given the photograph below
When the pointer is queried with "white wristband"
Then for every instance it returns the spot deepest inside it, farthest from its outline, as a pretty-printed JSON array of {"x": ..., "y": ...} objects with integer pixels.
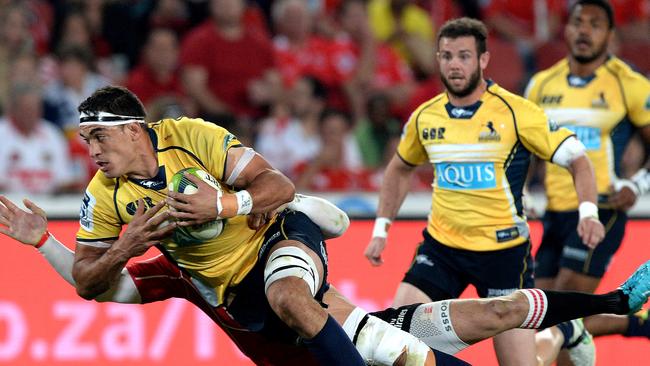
[
  {"x": 244, "y": 202},
  {"x": 381, "y": 227},
  {"x": 588, "y": 209},
  {"x": 642, "y": 181}
]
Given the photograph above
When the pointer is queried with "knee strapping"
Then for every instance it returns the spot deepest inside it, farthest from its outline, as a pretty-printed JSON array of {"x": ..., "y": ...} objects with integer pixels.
[
  {"x": 379, "y": 343},
  {"x": 291, "y": 261}
]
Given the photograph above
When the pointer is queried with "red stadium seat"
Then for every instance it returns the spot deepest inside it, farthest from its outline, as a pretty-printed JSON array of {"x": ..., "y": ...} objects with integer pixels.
[
  {"x": 549, "y": 54},
  {"x": 506, "y": 67}
]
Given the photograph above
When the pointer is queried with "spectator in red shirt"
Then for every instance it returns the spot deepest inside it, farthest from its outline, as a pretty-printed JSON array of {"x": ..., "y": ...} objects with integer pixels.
[
  {"x": 529, "y": 24},
  {"x": 227, "y": 69},
  {"x": 338, "y": 165},
  {"x": 632, "y": 18},
  {"x": 157, "y": 75},
  {"x": 298, "y": 51},
  {"x": 525, "y": 21},
  {"x": 365, "y": 65}
]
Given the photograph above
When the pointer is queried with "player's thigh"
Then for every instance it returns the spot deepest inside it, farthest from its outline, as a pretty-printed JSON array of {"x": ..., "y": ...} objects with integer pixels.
[
  {"x": 594, "y": 262},
  {"x": 558, "y": 226},
  {"x": 436, "y": 271},
  {"x": 295, "y": 248},
  {"x": 501, "y": 272}
]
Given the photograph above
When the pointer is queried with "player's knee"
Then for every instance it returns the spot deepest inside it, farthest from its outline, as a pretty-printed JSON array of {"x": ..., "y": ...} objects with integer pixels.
[
  {"x": 281, "y": 298},
  {"x": 501, "y": 311}
]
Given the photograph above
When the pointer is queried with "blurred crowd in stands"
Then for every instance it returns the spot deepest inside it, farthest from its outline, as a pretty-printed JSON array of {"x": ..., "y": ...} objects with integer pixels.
[{"x": 321, "y": 88}]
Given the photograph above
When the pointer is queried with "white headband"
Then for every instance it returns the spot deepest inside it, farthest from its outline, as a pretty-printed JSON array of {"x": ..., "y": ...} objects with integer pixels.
[{"x": 107, "y": 119}]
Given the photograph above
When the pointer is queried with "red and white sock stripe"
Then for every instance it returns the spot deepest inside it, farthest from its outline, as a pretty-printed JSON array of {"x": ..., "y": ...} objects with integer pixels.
[{"x": 538, "y": 304}]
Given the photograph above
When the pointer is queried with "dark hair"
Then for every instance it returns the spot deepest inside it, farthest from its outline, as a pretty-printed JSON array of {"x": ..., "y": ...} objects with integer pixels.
[
  {"x": 603, "y": 4},
  {"x": 78, "y": 53},
  {"x": 318, "y": 89},
  {"x": 465, "y": 27},
  {"x": 113, "y": 99},
  {"x": 333, "y": 112}
]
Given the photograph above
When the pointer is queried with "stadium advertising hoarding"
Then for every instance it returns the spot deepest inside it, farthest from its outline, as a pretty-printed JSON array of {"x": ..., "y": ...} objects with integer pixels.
[{"x": 43, "y": 321}]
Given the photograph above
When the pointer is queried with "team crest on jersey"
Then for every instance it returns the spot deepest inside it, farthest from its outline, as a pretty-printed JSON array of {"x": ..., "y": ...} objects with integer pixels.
[
  {"x": 552, "y": 125},
  {"x": 490, "y": 135},
  {"x": 86, "y": 212},
  {"x": 131, "y": 207},
  {"x": 647, "y": 103},
  {"x": 600, "y": 102}
]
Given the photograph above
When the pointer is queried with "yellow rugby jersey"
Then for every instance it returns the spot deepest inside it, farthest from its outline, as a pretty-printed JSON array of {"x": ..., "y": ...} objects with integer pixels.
[
  {"x": 480, "y": 154},
  {"x": 110, "y": 203},
  {"x": 602, "y": 110}
]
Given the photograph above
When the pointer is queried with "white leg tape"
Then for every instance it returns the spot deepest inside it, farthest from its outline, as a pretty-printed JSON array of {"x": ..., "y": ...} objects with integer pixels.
[
  {"x": 379, "y": 343},
  {"x": 352, "y": 322},
  {"x": 432, "y": 324},
  {"x": 291, "y": 261}
]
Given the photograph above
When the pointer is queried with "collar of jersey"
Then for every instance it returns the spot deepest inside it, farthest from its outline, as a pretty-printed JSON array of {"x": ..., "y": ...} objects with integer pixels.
[
  {"x": 579, "y": 81},
  {"x": 153, "y": 137},
  {"x": 160, "y": 180},
  {"x": 465, "y": 112},
  {"x": 156, "y": 183}
]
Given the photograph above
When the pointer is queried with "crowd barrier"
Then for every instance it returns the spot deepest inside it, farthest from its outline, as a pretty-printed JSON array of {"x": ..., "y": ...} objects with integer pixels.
[{"x": 43, "y": 321}]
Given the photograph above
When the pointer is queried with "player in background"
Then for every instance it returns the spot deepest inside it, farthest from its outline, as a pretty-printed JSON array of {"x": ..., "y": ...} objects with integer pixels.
[
  {"x": 479, "y": 139},
  {"x": 602, "y": 100}
]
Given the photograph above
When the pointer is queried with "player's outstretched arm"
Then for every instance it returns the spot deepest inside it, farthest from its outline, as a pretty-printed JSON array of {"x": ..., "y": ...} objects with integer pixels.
[
  {"x": 30, "y": 228},
  {"x": 590, "y": 229},
  {"x": 395, "y": 186}
]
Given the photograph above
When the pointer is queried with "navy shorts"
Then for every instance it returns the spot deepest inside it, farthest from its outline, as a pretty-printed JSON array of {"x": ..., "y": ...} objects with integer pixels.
[
  {"x": 249, "y": 307},
  {"x": 442, "y": 272},
  {"x": 562, "y": 247}
]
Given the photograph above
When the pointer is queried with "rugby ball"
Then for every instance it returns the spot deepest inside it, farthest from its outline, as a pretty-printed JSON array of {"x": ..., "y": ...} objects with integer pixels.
[{"x": 188, "y": 235}]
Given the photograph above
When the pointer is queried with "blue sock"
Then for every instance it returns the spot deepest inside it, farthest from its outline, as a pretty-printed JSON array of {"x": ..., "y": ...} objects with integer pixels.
[
  {"x": 443, "y": 359},
  {"x": 567, "y": 330},
  {"x": 332, "y": 347},
  {"x": 638, "y": 326}
]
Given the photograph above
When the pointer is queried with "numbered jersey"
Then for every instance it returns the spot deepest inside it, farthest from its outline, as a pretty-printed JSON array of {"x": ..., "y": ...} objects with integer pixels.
[
  {"x": 108, "y": 204},
  {"x": 480, "y": 155},
  {"x": 602, "y": 110}
]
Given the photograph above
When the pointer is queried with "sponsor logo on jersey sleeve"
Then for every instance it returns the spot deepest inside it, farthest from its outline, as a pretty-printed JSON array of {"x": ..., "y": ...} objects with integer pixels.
[
  {"x": 86, "y": 213},
  {"x": 226, "y": 141},
  {"x": 465, "y": 176},
  {"x": 589, "y": 136}
]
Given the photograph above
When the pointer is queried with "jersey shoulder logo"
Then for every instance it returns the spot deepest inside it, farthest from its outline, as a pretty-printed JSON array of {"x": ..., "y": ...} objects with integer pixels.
[
  {"x": 433, "y": 133},
  {"x": 551, "y": 99},
  {"x": 86, "y": 213},
  {"x": 226, "y": 140}
]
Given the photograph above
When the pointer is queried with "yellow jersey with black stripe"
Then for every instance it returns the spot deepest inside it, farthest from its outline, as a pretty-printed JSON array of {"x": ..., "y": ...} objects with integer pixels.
[
  {"x": 602, "y": 109},
  {"x": 480, "y": 154},
  {"x": 108, "y": 204}
]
